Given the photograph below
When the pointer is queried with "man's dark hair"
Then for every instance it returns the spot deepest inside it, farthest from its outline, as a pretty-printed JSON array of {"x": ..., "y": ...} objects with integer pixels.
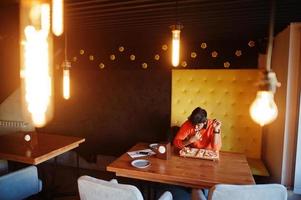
[{"x": 197, "y": 116}]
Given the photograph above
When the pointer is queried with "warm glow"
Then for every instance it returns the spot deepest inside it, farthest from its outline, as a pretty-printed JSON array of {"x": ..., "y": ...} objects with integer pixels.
[
  {"x": 45, "y": 17},
  {"x": 35, "y": 61},
  {"x": 175, "y": 47},
  {"x": 57, "y": 17},
  {"x": 37, "y": 79},
  {"x": 264, "y": 110},
  {"x": 66, "y": 83}
]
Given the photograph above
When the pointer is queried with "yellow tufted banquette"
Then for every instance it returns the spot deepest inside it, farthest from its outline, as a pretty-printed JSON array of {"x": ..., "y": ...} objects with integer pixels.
[{"x": 226, "y": 95}]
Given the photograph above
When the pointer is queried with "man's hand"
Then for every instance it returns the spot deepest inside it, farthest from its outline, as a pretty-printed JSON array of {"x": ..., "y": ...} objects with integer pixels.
[
  {"x": 198, "y": 127},
  {"x": 217, "y": 125},
  {"x": 195, "y": 138}
]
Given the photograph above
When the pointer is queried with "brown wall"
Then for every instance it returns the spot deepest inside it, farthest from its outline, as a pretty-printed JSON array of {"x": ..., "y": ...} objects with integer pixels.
[
  {"x": 113, "y": 109},
  {"x": 273, "y": 134},
  {"x": 279, "y": 138},
  {"x": 9, "y": 50}
]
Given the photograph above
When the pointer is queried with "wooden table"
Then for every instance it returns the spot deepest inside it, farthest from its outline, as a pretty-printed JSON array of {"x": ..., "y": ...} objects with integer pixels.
[
  {"x": 40, "y": 148},
  {"x": 232, "y": 168}
]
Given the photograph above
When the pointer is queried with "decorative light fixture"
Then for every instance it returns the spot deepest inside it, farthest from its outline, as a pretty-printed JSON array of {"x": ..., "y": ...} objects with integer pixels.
[
  {"x": 101, "y": 65},
  {"x": 36, "y": 61},
  {"x": 157, "y": 57},
  {"x": 66, "y": 65},
  {"x": 204, "y": 45},
  {"x": 251, "y": 44},
  {"x": 66, "y": 79},
  {"x": 176, "y": 32},
  {"x": 175, "y": 57},
  {"x": 91, "y": 57},
  {"x": 164, "y": 47},
  {"x": 121, "y": 48},
  {"x": 57, "y": 17},
  {"x": 132, "y": 57},
  {"x": 227, "y": 64},
  {"x": 264, "y": 110}
]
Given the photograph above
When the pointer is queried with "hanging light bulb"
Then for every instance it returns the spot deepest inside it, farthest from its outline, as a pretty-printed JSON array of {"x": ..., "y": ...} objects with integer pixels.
[
  {"x": 66, "y": 65},
  {"x": 175, "y": 47},
  {"x": 264, "y": 110},
  {"x": 175, "y": 57},
  {"x": 66, "y": 79},
  {"x": 36, "y": 61},
  {"x": 57, "y": 17}
]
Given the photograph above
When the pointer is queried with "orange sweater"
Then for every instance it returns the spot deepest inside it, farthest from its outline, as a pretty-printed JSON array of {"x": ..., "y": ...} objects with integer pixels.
[{"x": 207, "y": 140}]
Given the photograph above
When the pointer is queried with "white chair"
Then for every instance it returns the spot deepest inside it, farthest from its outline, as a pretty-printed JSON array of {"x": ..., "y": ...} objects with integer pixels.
[
  {"x": 243, "y": 192},
  {"x": 95, "y": 189}
]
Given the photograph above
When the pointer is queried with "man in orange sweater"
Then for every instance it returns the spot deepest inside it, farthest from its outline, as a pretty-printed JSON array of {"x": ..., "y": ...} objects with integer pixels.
[{"x": 199, "y": 132}]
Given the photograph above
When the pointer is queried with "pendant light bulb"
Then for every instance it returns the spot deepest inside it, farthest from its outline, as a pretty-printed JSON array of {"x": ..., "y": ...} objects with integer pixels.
[
  {"x": 57, "y": 17},
  {"x": 66, "y": 84},
  {"x": 263, "y": 110},
  {"x": 66, "y": 79},
  {"x": 175, "y": 58},
  {"x": 36, "y": 61}
]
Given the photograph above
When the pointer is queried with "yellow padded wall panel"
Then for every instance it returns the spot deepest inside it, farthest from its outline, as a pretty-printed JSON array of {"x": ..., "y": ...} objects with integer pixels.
[{"x": 226, "y": 95}]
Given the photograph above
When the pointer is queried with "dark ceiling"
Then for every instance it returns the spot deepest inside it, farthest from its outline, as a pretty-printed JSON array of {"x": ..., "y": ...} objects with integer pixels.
[{"x": 209, "y": 19}]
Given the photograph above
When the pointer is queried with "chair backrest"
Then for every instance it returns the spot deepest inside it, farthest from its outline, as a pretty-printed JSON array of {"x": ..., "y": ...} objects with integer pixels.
[
  {"x": 20, "y": 184},
  {"x": 92, "y": 188},
  {"x": 248, "y": 192}
]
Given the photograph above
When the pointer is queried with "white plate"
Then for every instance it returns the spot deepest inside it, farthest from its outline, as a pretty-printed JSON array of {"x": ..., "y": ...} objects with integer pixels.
[
  {"x": 140, "y": 163},
  {"x": 153, "y": 145}
]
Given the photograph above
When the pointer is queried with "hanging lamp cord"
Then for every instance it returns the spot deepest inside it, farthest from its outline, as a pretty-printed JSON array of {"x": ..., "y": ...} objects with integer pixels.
[
  {"x": 269, "y": 81},
  {"x": 66, "y": 42},
  {"x": 177, "y": 20},
  {"x": 271, "y": 36},
  {"x": 66, "y": 64}
]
